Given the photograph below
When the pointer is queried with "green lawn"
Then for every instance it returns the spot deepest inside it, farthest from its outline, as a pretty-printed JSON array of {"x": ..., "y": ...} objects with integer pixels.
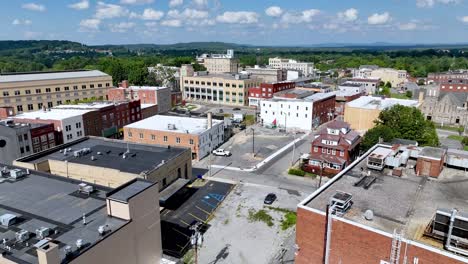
[
  {"x": 465, "y": 148},
  {"x": 455, "y": 137},
  {"x": 249, "y": 120},
  {"x": 399, "y": 96},
  {"x": 446, "y": 127}
]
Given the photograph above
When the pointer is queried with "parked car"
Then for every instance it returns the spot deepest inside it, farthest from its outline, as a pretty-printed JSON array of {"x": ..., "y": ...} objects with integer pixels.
[
  {"x": 270, "y": 198},
  {"x": 236, "y": 109},
  {"x": 221, "y": 152},
  {"x": 221, "y": 111},
  {"x": 241, "y": 127}
]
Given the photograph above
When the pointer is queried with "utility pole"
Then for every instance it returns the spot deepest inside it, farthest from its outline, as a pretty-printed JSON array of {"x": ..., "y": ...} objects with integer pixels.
[
  {"x": 294, "y": 149},
  {"x": 253, "y": 142},
  {"x": 196, "y": 239},
  {"x": 321, "y": 172}
]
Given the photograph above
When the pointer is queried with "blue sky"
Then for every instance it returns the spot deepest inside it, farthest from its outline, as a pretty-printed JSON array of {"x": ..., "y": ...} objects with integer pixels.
[{"x": 293, "y": 22}]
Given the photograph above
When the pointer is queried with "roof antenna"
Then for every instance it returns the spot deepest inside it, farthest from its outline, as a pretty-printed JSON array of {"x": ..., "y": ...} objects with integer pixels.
[{"x": 84, "y": 219}]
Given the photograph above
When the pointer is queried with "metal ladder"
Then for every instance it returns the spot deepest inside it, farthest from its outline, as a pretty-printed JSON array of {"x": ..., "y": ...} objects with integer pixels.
[{"x": 396, "y": 247}]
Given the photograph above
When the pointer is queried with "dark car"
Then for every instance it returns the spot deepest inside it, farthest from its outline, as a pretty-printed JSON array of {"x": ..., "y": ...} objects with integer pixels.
[
  {"x": 270, "y": 198},
  {"x": 236, "y": 109},
  {"x": 241, "y": 127}
]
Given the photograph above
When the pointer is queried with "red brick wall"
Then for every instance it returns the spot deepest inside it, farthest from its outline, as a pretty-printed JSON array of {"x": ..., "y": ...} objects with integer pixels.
[
  {"x": 116, "y": 94},
  {"x": 149, "y": 111},
  {"x": 351, "y": 244},
  {"x": 6, "y": 111},
  {"x": 436, "y": 167},
  {"x": 323, "y": 107},
  {"x": 457, "y": 87}
]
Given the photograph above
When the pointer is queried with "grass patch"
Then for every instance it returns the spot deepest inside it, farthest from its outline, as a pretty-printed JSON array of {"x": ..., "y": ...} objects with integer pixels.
[
  {"x": 296, "y": 172},
  {"x": 260, "y": 215},
  {"x": 249, "y": 120},
  {"x": 447, "y": 127},
  {"x": 456, "y": 137},
  {"x": 465, "y": 148},
  {"x": 227, "y": 115},
  {"x": 225, "y": 222},
  {"x": 399, "y": 96},
  {"x": 189, "y": 257},
  {"x": 289, "y": 218}
]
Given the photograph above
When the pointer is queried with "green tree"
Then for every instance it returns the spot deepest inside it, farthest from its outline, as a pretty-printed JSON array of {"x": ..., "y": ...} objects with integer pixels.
[
  {"x": 409, "y": 94},
  {"x": 372, "y": 136},
  {"x": 198, "y": 67},
  {"x": 460, "y": 130},
  {"x": 137, "y": 74}
]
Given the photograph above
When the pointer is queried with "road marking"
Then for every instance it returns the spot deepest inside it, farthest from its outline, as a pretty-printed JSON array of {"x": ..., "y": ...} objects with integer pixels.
[
  {"x": 202, "y": 210},
  {"x": 196, "y": 217}
]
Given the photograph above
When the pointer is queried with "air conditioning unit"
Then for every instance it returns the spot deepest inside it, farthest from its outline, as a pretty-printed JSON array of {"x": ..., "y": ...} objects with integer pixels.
[
  {"x": 22, "y": 235},
  {"x": 8, "y": 219},
  {"x": 17, "y": 173},
  {"x": 43, "y": 232},
  {"x": 84, "y": 188}
]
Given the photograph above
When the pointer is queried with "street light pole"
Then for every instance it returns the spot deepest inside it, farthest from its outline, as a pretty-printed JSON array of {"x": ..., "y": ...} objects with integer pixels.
[
  {"x": 196, "y": 239},
  {"x": 321, "y": 172}
]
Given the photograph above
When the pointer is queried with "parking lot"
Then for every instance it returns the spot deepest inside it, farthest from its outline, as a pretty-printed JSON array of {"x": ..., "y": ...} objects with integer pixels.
[
  {"x": 235, "y": 237},
  {"x": 267, "y": 141}
]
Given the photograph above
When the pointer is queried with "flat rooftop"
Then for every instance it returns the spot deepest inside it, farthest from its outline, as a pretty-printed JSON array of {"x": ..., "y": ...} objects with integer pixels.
[
  {"x": 53, "y": 114},
  {"x": 37, "y": 76},
  {"x": 43, "y": 200},
  {"x": 17, "y": 125},
  {"x": 350, "y": 84},
  {"x": 144, "y": 106},
  {"x": 154, "y": 88},
  {"x": 405, "y": 203},
  {"x": 90, "y": 106},
  {"x": 370, "y": 102},
  {"x": 310, "y": 98},
  {"x": 226, "y": 76},
  {"x": 141, "y": 157},
  {"x": 175, "y": 124}
]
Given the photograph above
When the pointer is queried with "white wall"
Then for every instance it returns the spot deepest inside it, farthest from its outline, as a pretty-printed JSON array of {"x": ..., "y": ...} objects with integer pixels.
[
  {"x": 292, "y": 114},
  {"x": 217, "y": 138},
  {"x": 76, "y": 133}
]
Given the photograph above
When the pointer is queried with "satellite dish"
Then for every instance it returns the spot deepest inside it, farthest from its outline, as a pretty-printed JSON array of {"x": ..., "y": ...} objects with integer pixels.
[{"x": 369, "y": 215}]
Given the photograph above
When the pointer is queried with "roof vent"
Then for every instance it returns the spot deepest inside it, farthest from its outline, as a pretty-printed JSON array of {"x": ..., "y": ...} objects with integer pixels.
[
  {"x": 171, "y": 126},
  {"x": 99, "y": 153},
  {"x": 369, "y": 215},
  {"x": 79, "y": 243},
  {"x": 341, "y": 202},
  {"x": 103, "y": 229},
  {"x": 93, "y": 158}
]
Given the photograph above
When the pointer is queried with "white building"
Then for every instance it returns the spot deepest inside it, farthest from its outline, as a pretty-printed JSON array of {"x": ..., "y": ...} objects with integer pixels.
[
  {"x": 364, "y": 71},
  {"x": 69, "y": 122},
  {"x": 307, "y": 68},
  {"x": 352, "y": 87},
  {"x": 370, "y": 84},
  {"x": 302, "y": 114}
]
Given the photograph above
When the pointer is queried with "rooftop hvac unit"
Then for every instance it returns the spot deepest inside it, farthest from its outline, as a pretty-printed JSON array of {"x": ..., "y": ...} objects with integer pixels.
[
  {"x": 8, "y": 219},
  {"x": 171, "y": 126},
  {"x": 79, "y": 243},
  {"x": 43, "y": 232},
  {"x": 18, "y": 173},
  {"x": 22, "y": 235},
  {"x": 84, "y": 188},
  {"x": 342, "y": 202},
  {"x": 104, "y": 229}
]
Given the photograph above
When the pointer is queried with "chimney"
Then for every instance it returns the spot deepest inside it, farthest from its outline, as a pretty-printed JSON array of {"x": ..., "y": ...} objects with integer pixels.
[
  {"x": 421, "y": 97},
  {"x": 210, "y": 119},
  {"x": 48, "y": 254}
]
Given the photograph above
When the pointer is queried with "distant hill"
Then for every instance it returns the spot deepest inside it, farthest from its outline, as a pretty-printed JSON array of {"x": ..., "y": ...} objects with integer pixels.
[{"x": 40, "y": 45}]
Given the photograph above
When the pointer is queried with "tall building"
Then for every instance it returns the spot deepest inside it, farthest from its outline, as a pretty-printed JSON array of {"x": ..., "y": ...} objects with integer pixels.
[
  {"x": 220, "y": 63},
  {"x": 160, "y": 96},
  {"x": 370, "y": 84},
  {"x": 362, "y": 112},
  {"x": 47, "y": 219},
  {"x": 306, "y": 68},
  {"x": 445, "y": 106},
  {"x": 268, "y": 75},
  {"x": 440, "y": 77},
  {"x": 228, "y": 89},
  {"x": 23, "y": 139},
  {"x": 334, "y": 148},
  {"x": 202, "y": 136},
  {"x": 110, "y": 162},
  {"x": 304, "y": 113},
  {"x": 396, "y": 77},
  {"x": 384, "y": 209},
  {"x": 31, "y": 91}
]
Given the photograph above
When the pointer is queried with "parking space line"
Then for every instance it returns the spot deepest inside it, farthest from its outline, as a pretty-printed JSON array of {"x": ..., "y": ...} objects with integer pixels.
[
  {"x": 196, "y": 217},
  {"x": 180, "y": 232},
  {"x": 213, "y": 206},
  {"x": 202, "y": 210},
  {"x": 183, "y": 222}
]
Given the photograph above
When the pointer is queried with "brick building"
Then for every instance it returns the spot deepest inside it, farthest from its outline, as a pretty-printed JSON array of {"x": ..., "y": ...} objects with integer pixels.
[
  {"x": 439, "y": 77},
  {"x": 343, "y": 97},
  {"x": 448, "y": 107},
  {"x": 160, "y": 96},
  {"x": 431, "y": 161},
  {"x": 333, "y": 149},
  {"x": 202, "y": 136},
  {"x": 454, "y": 85},
  {"x": 267, "y": 90},
  {"x": 364, "y": 216}
]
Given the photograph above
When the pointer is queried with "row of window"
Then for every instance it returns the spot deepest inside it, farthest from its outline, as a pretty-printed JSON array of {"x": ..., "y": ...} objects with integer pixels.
[
  {"x": 289, "y": 106},
  {"x": 325, "y": 164},
  {"x": 165, "y": 139},
  {"x": 289, "y": 113},
  {"x": 215, "y": 84},
  {"x": 29, "y": 98},
  {"x": 203, "y": 97},
  {"x": 57, "y": 89},
  {"x": 215, "y": 92},
  {"x": 329, "y": 151}
]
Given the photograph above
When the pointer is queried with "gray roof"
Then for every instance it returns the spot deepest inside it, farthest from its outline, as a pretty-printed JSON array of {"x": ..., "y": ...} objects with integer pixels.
[
  {"x": 141, "y": 157},
  {"x": 130, "y": 189},
  {"x": 431, "y": 152},
  {"x": 43, "y": 200},
  {"x": 39, "y": 76},
  {"x": 455, "y": 98}
]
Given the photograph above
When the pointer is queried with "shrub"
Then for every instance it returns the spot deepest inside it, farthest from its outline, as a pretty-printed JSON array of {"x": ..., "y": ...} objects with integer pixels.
[
  {"x": 260, "y": 215},
  {"x": 296, "y": 172}
]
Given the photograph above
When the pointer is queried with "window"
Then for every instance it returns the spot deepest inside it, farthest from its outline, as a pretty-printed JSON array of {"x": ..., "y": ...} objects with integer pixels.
[
  {"x": 67, "y": 127},
  {"x": 6, "y": 93},
  {"x": 191, "y": 141},
  {"x": 333, "y": 152},
  {"x": 83, "y": 87},
  {"x": 22, "y": 150},
  {"x": 30, "y": 107},
  {"x": 324, "y": 150},
  {"x": 129, "y": 134},
  {"x": 66, "y": 88},
  {"x": 47, "y": 90},
  {"x": 165, "y": 138},
  {"x": 315, "y": 149},
  {"x": 78, "y": 125},
  {"x": 20, "y": 138},
  {"x": 342, "y": 153},
  {"x": 17, "y": 92},
  {"x": 50, "y": 104},
  {"x": 153, "y": 137},
  {"x": 91, "y": 86},
  {"x": 141, "y": 135},
  {"x": 28, "y": 91},
  {"x": 75, "y": 87},
  {"x": 57, "y": 89},
  {"x": 19, "y": 108},
  {"x": 178, "y": 140},
  {"x": 79, "y": 133},
  {"x": 39, "y": 105},
  {"x": 107, "y": 84}
]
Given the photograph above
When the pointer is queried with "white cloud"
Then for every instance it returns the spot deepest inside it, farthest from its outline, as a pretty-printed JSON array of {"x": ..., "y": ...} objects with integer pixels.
[
  {"x": 34, "y": 7},
  {"x": 200, "y": 3},
  {"x": 91, "y": 24},
  {"x": 18, "y": 22},
  {"x": 408, "y": 26},
  {"x": 148, "y": 14},
  {"x": 379, "y": 19},
  {"x": 188, "y": 13},
  {"x": 80, "y": 5},
  {"x": 174, "y": 3},
  {"x": 136, "y": 2},
  {"x": 240, "y": 17},
  {"x": 431, "y": 3},
  {"x": 330, "y": 26},
  {"x": 464, "y": 19},
  {"x": 151, "y": 24},
  {"x": 305, "y": 16},
  {"x": 274, "y": 11},
  {"x": 104, "y": 11},
  {"x": 121, "y": 27},
  {"x": 348, "y": 15},
  {"x": 172, "y": 23}
]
